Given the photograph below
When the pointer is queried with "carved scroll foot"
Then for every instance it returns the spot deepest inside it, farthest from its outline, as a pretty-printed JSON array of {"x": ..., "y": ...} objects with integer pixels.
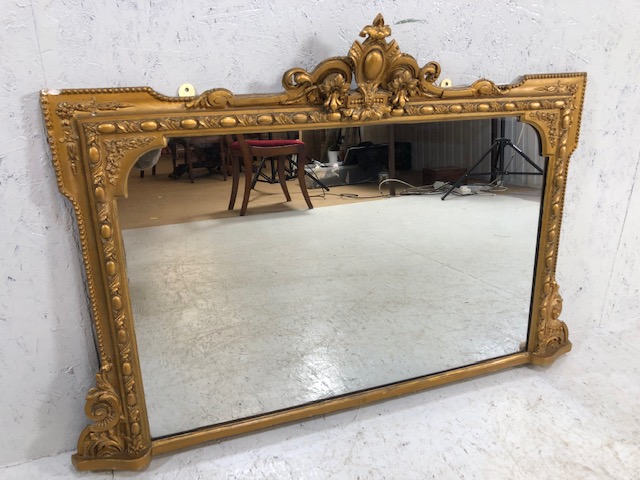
[
  {"x": 551, "y": 354},
  {"x": 552, "y": 333},
  {"x": 105, "y": 444},
  {"x": 95, "y": 464}
]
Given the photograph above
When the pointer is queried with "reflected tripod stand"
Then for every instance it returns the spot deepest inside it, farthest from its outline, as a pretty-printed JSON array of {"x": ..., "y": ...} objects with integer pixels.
[{"x": 497, "y": 152}]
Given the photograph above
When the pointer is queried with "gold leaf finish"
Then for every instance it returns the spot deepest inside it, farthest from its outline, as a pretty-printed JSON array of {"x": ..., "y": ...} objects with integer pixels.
[
  {"x": 116, "y": 150},
  {"x": 97, "y": 135},
  {"x": 373, "y": 65}
]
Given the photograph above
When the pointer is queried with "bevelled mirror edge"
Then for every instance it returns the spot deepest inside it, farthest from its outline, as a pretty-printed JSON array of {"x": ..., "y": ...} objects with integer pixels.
[{"x": 96, "y": 136}]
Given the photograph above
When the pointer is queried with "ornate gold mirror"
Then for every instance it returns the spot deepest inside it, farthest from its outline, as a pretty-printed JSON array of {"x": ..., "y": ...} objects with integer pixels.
[{"x": 237, "y": 323}]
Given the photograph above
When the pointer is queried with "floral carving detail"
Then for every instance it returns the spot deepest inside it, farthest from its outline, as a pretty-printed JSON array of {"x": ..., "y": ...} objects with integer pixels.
[
  {"x": 559, "y": 87},
  {"x": 551, "y": 119},
  {"x": 333, "y": 90},
  {"x": 116, "y": 150},
  {"x": 403, "y": 86},
  {"x": 377, "y": 31},
  {"x": 65, "y": 111},
  {"x": 370, "y": 105}
]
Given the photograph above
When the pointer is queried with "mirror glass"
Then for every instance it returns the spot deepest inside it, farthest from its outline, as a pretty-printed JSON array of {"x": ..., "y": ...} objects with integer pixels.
[{"x": 240, "y": 316}]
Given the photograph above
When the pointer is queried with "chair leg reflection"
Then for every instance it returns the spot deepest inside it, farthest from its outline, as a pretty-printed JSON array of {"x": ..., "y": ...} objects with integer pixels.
[{"x": 280, "y": 151}]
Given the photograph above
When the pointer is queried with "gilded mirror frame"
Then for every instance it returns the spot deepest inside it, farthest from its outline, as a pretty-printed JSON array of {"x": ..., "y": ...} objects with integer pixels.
[{"x": 97, "y": 135}]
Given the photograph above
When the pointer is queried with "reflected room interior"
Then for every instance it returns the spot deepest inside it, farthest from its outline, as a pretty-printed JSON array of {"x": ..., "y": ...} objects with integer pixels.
[{"x": 382, "y": 281}]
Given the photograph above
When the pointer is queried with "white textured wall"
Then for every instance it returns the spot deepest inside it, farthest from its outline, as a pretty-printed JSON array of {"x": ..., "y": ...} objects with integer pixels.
[{"x": 47, "y": 359}]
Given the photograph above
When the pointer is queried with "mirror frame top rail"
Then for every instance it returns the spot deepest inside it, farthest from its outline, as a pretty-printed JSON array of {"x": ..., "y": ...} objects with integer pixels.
[{"x": 96, "y": 136}]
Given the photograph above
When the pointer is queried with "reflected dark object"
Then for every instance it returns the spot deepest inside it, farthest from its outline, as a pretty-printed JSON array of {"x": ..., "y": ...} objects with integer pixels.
[
  {"x": 498, "y": 168},
  {"x": 209, "y": 153}
]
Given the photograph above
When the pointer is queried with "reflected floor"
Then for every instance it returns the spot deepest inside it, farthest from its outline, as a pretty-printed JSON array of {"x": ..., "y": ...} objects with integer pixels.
[{"x": 245, "y": 315}]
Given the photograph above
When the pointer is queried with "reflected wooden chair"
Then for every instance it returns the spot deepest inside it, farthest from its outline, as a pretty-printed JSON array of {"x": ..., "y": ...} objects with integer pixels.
[
  {"x": 280, "y": 151},
  {"x": 197, "y": 153}
]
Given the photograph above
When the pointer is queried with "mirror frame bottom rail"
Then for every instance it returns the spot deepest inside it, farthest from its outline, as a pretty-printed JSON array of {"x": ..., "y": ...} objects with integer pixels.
[
  {"x": 204, "y": 435},
  {"x": 97, "y": 135},
  {"x": 332, "y": 405}
]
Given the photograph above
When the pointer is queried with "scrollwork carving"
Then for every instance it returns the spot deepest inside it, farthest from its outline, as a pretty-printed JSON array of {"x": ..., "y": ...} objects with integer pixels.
[
  {"x": 311, "y": 88},
  {"x": 103, "y": 407},
  {"x": 213, "y": 99},
  {"x": 387, "y": 80},
  {"x": 552, "y": 332}
]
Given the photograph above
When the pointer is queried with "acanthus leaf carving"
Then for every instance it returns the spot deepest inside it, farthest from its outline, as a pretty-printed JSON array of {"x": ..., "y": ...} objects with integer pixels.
[
  {"x": 102, "y": 439},
  {"x": 552, "y": 332}
]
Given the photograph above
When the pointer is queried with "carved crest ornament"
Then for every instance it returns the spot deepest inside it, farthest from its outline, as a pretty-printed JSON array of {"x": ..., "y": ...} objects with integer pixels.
[{"x": 96, "y": 136}]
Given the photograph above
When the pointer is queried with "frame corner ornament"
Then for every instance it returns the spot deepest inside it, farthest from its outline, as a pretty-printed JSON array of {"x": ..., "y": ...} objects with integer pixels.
[
  {"x": 105, "y": 443},
  {"x": 552, "y": 337}
]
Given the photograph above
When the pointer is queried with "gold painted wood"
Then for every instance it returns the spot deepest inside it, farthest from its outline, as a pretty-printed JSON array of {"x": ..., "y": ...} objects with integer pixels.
[
  {"x": 97, "y": 135},
  {"x": 207, "y": 434}
]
